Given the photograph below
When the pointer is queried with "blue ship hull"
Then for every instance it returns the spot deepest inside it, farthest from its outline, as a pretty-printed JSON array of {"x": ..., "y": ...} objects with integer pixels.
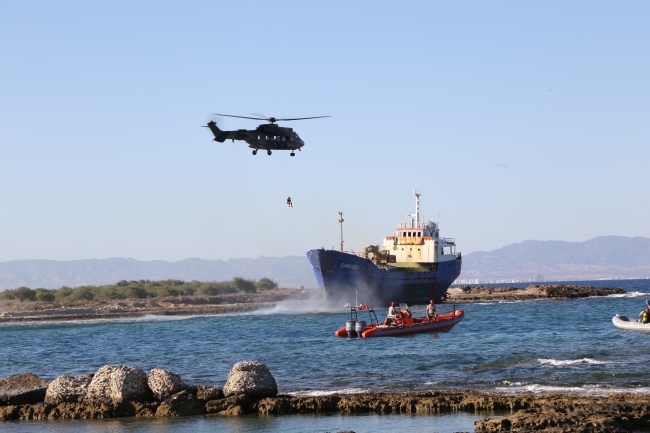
[{"x": 349, "y": 278}]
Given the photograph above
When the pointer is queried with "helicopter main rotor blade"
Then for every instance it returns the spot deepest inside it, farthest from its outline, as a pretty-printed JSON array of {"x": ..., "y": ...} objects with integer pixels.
[
  {"x": 243, "y": 117},
  {"x": 301, "y": 118},
  {"x": 272, "y": 119}
]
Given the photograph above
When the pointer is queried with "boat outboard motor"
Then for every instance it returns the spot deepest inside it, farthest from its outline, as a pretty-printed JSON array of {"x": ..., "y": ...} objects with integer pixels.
[
  {"x": 350, "y": 328},
  {"x": 360, "y": 327}
]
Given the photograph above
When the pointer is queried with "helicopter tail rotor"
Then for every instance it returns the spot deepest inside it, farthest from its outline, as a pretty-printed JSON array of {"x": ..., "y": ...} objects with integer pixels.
[{"x": 213, "y": 122}]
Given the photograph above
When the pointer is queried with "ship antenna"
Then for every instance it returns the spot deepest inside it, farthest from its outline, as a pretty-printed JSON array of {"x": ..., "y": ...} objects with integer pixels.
[
  {"x": 417, "y": 195},
  {"x": 341, "y": 231}
]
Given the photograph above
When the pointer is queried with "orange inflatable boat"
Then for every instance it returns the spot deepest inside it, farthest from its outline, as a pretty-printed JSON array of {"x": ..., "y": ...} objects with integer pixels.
[{"x": 402, "y": 324}]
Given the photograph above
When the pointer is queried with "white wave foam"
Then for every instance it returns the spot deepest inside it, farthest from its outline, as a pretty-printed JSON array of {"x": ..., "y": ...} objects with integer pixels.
[
  {"x": 629, "y": 295},
  {"x": 146, "y": 318},
  {"x": 317, "y": 393},
  {"x": 507, "y": 382},
  {"x": 596, "y": 390},
  {"x": 563, "y": 362}
]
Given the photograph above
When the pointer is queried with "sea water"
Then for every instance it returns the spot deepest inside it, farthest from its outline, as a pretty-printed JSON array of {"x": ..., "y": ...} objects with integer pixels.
[{"x": 510, "y": 347}]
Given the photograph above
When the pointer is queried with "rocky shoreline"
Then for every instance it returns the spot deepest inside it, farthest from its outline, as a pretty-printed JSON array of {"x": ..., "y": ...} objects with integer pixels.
[
  {"x": 116, "y": 391},
  {"x": 533, "y": 291},
  {"x": 16, "y": 311}
]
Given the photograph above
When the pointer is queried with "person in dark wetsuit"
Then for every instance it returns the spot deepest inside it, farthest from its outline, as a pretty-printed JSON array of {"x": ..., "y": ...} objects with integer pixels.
[{"x": 289, "y": 203}]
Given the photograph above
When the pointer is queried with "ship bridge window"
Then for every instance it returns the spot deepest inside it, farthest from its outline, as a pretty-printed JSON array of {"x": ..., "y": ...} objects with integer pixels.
[{"x": 409, "y": 234}]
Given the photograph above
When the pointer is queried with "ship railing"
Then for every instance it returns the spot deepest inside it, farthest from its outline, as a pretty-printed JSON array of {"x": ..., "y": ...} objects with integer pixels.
[
  {"x": 411, "y": 225},
  {"x": 450, "y": 241}
]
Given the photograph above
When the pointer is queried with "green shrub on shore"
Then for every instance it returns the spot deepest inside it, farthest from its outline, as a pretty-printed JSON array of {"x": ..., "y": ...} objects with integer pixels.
[
  {"x": 139, "y": 290},
  {"x": 244, "y": 285},
  {"x": 45, "y": 295},
  {"x": 266, "y": 284}
]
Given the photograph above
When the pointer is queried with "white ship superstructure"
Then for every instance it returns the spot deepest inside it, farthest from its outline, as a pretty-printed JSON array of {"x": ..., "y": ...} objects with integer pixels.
[{"x": 418, "y": 242}]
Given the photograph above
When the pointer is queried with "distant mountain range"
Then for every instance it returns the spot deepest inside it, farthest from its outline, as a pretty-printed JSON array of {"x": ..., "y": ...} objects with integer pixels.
[
  {"x": 604, "y": 257},
  {"x": 291, "y": 271}
]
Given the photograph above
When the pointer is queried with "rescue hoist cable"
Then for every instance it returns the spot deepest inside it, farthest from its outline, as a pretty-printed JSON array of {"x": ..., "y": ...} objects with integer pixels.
[{"x": 286, "y": 182}]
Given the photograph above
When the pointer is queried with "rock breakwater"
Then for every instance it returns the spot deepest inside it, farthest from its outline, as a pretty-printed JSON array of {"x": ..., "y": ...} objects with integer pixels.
[
  {"x": 125, "y": 391},
  {"x": 533, "y": 291}
]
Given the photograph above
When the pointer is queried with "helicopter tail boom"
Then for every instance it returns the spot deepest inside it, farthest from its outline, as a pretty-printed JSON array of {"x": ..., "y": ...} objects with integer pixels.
[{"x": 219, "y": 135}]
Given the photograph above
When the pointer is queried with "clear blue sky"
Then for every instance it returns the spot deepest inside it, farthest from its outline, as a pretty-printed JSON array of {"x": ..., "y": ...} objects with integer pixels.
[{"x": 517, "y": 120}]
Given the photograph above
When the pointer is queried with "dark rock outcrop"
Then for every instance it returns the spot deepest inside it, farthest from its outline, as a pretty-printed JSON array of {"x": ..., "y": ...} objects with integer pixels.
[
  {"x": 550, "y": 413},
  {"x": 181, "y": 404},
  {"x": 251, "y": 378},
  {"x": 22, "y": 389},
  {"x": 533, "y": 291},
  {"x": 207, "y": 393},
  {"x": 67, "y": 389},
  {"x": 146, "y": 408},
  {"x": 231, "y": 406}
]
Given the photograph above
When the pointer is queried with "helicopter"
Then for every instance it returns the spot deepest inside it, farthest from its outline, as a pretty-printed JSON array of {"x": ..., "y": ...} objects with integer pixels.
[{"x": 268, "y": 136}]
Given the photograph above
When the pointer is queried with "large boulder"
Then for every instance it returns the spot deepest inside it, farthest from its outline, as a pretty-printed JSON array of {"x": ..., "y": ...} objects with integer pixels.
[
  {"x": 67, "y": 389},
  {"x": 22, "y": 389},
  {"x": 181, "y": 404},
  {"x": 164, "y": 384},
  {"x": 251, "y": 378},
  {"x": 116, "y": 384}
]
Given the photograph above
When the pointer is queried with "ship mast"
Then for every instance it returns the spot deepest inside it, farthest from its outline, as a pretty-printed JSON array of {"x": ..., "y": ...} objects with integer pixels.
[
  {"x": 341, "y": 229},
  {"x": 417, "y": 195}
]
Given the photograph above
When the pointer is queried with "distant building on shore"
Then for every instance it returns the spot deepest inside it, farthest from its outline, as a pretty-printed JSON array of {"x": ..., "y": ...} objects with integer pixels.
[
  {"x": 537, "y": 278},
  {"x": 469, "y": 281}
]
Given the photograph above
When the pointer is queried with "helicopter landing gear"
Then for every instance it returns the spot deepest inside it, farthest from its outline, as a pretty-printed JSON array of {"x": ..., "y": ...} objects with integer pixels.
[
  {"x": 268, "y": 152},
  {"x": 292, "y": 154},
  {"x": 255, "y": 152}
]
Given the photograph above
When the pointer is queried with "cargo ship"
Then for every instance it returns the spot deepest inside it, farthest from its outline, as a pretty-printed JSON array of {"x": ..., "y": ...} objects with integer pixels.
[{"x": 413, "y": 266}]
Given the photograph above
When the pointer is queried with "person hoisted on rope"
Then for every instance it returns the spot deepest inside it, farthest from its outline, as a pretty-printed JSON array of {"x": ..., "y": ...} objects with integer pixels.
[{"x": 289, "y": 203}]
